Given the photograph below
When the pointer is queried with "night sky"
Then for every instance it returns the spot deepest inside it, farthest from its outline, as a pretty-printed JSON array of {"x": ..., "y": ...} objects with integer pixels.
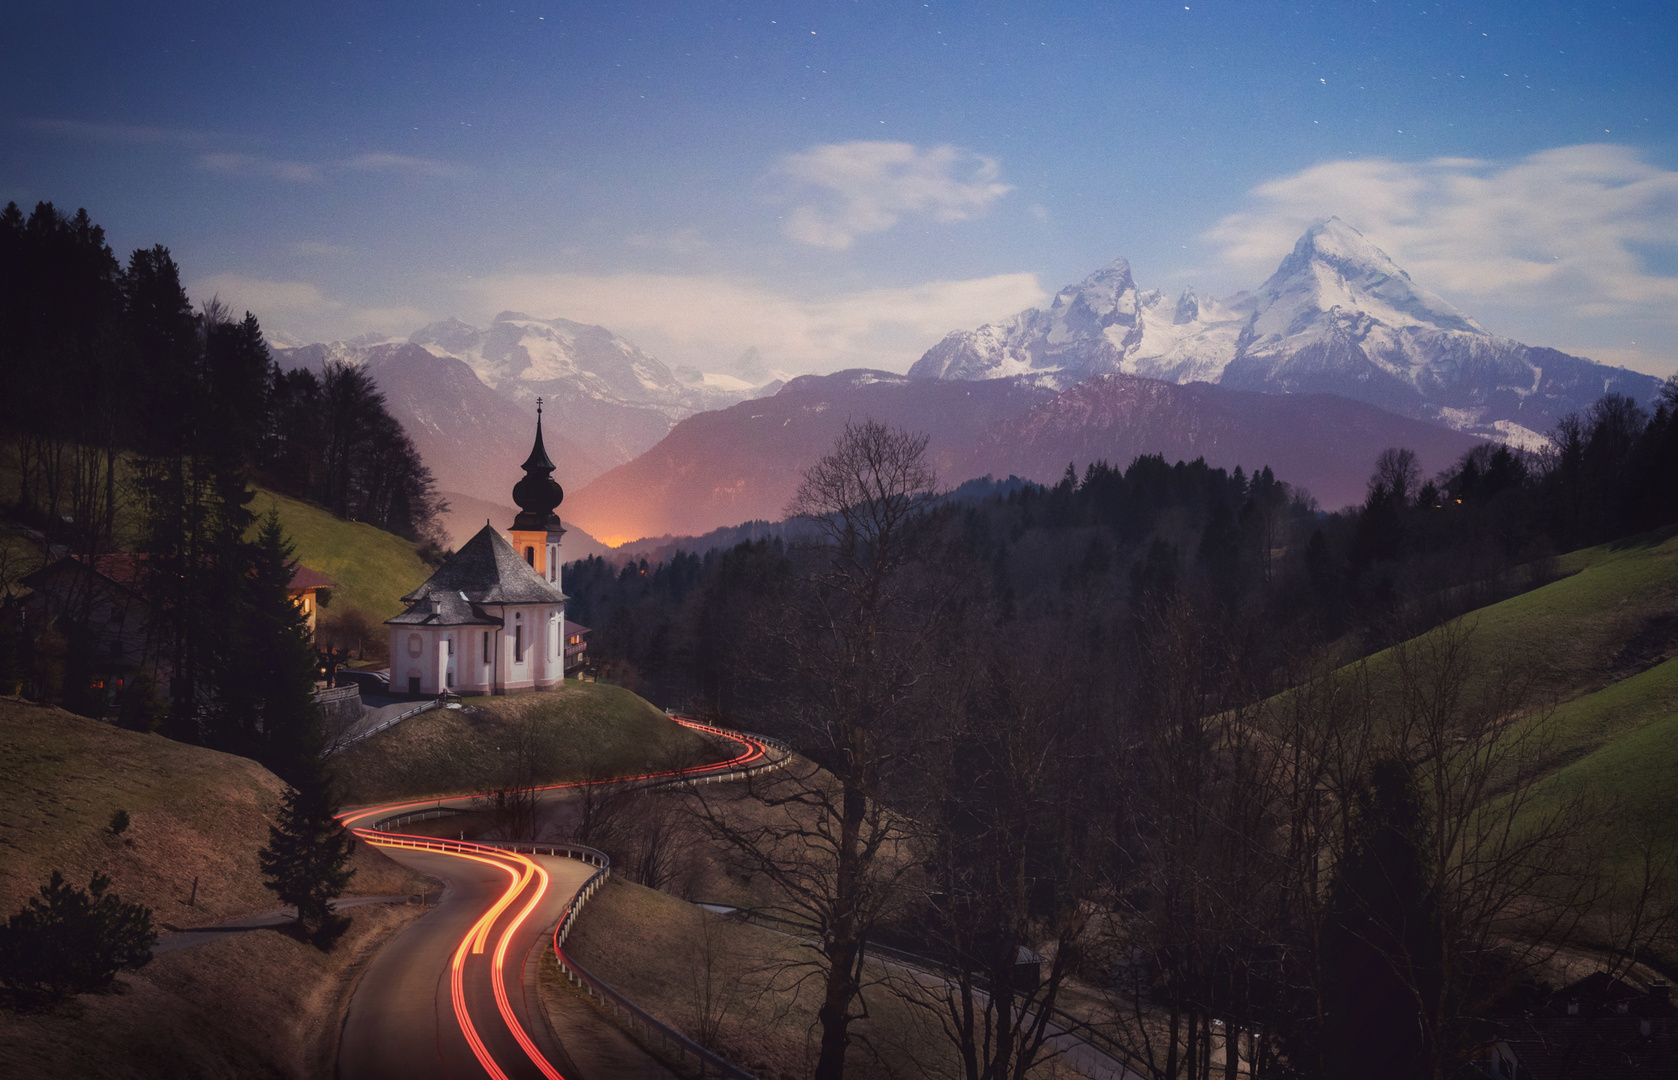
[{"x": 841, "y": 184}]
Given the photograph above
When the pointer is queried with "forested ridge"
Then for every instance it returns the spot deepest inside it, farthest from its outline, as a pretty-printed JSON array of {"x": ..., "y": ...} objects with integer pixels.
[
  {"x": 1230, "y": 764},
  {"x": 135, "y": 423},
  {"x": 103, "y": 359}
]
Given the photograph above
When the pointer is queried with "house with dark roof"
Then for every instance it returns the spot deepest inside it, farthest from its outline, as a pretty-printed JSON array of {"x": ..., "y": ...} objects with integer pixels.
[
  {"x": 104, "y": 597},
  {"x": 576, "y": 649},
  {"x": 491, "y": 620}
]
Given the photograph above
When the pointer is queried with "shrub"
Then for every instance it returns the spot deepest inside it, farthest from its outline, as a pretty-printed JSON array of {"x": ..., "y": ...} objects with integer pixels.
[
  {"x": 119, "y": 822},
  {"x": 70, "y": 940}
]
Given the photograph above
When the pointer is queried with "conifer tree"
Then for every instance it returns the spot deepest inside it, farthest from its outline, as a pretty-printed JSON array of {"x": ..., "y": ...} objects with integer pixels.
[
  {"x": 263, "y": 679},
  {"x": 306, "y": 861},
  {"x": 69, "y": 940}
]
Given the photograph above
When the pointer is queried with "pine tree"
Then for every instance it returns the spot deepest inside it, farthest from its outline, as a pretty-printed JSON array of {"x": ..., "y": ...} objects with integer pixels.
[
  {"x": 1381, "y": 942},
  {"x": 263, "y": 680},
  {"x": 306, "y": 861},
  {"x": 70, "y": 940}
]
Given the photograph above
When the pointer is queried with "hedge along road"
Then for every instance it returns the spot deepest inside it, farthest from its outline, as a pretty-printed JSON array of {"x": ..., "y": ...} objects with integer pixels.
[{"x": 454, "y": 994}]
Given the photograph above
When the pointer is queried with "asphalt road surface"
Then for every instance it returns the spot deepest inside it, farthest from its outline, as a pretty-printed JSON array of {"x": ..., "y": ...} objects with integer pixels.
[{"x": 403, "y": 1020}]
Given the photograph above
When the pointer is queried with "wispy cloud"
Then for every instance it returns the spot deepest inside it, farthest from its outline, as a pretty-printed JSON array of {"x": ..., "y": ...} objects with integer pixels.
[
  {"x": 401, "y": 163},
  {"x": 251, "y": 165},
  {"x": 688, "y": 241},
  {"x": 708, "y": 320},
  {"x": 301, "y": 309},
  {"x": 115, "y": 133},
  {"x": 867, "y": 187},
  {"x": 1568, "y": 230},
  {"x": 315, "y": 248}
]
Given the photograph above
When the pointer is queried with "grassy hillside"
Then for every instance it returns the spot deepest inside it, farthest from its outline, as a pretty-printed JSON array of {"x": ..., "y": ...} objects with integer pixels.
[
  {"x": 373, "y": 568},
  {"x": 258, "y": 1004},
  {"x": 195, "y": 813},
  {"x": 1609, "y": 616},
  {"x": 659, "y": 952},
  {"x": 1623, "y": 743},
  {"x": 589, "y": 729},
  {"x": 1601, "y": 645}
]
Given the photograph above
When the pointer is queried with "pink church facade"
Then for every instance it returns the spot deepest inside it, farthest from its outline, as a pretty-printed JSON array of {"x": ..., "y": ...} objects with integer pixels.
[{"x": 491, "y": 620}]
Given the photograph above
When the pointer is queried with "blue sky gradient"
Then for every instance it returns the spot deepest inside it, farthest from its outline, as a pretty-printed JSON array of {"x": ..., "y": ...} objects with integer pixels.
[{"x": 843, "y": 183}]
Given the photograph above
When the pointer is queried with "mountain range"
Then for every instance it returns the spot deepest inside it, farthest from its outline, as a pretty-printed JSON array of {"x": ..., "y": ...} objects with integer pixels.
[
  {"x": 1337, "y": 317},
  {"x": 744, "y": 462},
  {"x": 1337, "y": 356},
  {"x": 466, "y": 395}
]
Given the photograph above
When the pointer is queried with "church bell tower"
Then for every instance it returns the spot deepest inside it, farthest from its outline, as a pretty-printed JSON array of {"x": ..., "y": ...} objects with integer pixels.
[{"x": 536, "y": 531}]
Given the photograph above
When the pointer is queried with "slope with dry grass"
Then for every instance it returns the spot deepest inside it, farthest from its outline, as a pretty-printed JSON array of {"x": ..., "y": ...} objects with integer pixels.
[
  {"x": 740, "y": 989},
  {"x": 253, "y": 1004}
]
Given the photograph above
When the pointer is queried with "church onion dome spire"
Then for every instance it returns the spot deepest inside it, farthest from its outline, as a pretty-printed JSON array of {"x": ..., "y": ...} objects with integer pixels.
[{"x": 538, "y": 495}]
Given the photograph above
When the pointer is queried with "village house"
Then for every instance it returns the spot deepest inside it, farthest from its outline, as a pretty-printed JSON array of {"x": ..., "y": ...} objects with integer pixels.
[{"x": 104, "y": 598}]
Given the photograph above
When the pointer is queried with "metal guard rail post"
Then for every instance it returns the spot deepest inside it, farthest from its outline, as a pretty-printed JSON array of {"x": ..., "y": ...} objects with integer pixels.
[{"x": 423, "y": 706}]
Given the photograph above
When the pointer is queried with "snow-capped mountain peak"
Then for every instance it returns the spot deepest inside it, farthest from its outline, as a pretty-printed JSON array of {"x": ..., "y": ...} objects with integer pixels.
[
  {"x": 1338, "y": 316},
  {"x": 1335, "y": 266}
]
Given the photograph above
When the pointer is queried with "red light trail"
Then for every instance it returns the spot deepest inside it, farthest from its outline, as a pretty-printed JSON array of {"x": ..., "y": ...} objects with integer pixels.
[{"x": 525, "y": 876}]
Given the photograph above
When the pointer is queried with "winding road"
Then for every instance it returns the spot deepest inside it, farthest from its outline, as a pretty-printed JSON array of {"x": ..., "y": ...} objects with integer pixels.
[{"x": 454, "y": 995}]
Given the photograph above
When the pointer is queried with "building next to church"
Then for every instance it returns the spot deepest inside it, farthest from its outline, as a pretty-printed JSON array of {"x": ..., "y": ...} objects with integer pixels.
[{"x": 491, "y": 620}]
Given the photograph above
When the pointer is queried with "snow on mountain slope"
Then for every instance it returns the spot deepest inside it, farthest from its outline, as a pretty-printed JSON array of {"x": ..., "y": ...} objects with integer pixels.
[
  {"x": 466, "y": 394},
  {"x": 1337, "y": 316}
]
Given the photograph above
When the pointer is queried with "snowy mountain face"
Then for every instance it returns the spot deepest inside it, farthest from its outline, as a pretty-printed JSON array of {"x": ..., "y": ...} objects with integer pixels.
[
  {"x": 465, "y": 393},
  {"x": 557, "y": 358},
  {"x": 1337, "y": 316}
]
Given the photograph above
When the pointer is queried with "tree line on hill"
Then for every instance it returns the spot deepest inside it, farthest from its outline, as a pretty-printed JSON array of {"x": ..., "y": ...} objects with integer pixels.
[
  {"x": 104, "y": 361},
  {"x": 1119, "y": 723},
  {"x": 1416, "y": 552},
  {"x": 135, "y": 423}
]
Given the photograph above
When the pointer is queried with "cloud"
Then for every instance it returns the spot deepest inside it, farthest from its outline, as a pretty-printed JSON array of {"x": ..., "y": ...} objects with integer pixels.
[
  {"x": 115, "y": 133},
  {"x": 413, "y": 166},
  {"x": 300, "y": 310},
  {"x": 315, "y": 248},
  {"x": 1567, "y": 231},
  {"x": 869, "y": 186},
  {"x": 251, "y": 165},
  {"x": 688, "y": 241},
  {"x": 708, "y": 320}
]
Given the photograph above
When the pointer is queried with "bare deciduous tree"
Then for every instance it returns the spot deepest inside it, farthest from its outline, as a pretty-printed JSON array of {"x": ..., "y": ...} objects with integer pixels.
[{"x": 854, "y": 648}]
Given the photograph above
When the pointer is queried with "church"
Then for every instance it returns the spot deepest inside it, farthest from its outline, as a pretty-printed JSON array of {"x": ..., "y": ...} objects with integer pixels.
[{"x": 491, "y": 620}]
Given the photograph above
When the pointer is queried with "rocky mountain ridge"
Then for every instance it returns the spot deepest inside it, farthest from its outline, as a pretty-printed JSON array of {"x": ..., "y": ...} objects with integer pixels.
[
  {"x": 1338, "y": 316},
  {"x": 466, "y": 395},
  {"x": 742, "y": 463}
]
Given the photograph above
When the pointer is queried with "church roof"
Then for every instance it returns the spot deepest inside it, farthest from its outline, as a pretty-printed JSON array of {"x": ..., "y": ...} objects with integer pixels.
[
  {"x": 453, "y": 609},
  {"x": 538, "y": 461},
  {"x": 487, "y": 570}
]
